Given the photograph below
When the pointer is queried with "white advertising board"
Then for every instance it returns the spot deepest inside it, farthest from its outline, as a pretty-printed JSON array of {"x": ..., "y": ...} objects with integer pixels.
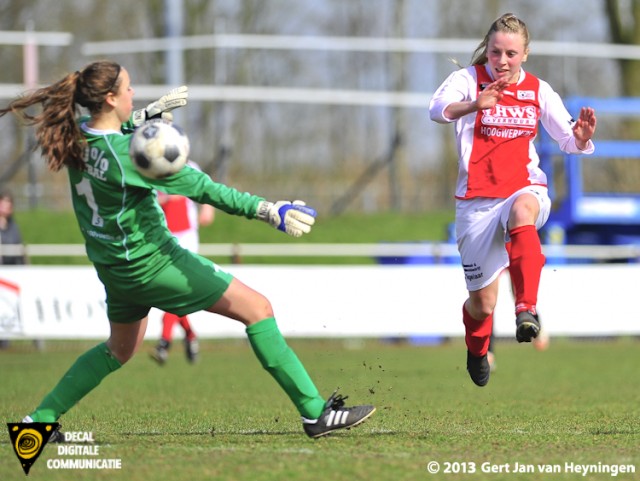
[{"x": 333, "y": 301}]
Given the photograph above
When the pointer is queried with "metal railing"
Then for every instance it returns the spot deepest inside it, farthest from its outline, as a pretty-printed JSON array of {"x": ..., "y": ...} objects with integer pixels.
[{"x": 400, "y": 250}]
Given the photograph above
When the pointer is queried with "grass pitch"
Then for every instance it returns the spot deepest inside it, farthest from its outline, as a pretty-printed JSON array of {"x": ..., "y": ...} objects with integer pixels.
[{"x": 225, "y": 419}]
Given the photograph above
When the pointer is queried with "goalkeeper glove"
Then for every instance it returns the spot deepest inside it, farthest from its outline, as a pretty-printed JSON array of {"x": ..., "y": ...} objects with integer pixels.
[
  {"x": 294, "y": 218},
  {"x": 161, "y": 108}
]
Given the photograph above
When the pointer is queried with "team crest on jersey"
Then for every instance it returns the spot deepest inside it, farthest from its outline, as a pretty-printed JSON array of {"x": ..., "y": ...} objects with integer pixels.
[{"x": 526, "y": 95}]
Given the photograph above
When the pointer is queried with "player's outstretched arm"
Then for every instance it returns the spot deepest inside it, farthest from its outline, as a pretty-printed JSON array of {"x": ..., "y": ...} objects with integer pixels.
[
  {"x": 161, "y": 108},
  {"x": 294, "y": 218}
]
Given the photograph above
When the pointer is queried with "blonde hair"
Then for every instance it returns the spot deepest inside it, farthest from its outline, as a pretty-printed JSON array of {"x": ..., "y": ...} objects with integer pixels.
[
  {"x": 57, "y": 130},
  {"x": 507, "y": 23}
]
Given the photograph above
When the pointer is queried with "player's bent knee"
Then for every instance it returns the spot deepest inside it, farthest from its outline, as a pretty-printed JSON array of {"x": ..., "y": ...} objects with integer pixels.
[
  {"x": 123, "y": 356},
  {"x": 524, "y": 211},
  {"x": 260, "y": 311},
  {"x": 123, "y": 352}
]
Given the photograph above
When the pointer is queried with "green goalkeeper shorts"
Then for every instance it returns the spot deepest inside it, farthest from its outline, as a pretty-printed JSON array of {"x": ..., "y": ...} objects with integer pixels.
[{"x": 175, "y": 280}]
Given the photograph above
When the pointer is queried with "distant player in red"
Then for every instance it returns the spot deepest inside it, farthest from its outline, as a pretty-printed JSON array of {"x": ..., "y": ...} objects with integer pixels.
[
  {"x": 184, "y": 217},
  {"x": 501, "y": 192}
]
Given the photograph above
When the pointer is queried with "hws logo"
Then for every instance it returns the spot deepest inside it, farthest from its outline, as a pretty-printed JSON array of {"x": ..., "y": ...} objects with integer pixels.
[{"x": 503, "y": 116}]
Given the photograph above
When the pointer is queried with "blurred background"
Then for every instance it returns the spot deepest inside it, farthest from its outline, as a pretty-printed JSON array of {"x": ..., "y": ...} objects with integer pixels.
[{"x": 321, "y": 99}]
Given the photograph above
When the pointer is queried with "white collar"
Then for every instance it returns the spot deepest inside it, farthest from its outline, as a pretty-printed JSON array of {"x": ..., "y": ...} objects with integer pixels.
[{"x": 90, "y": 130}]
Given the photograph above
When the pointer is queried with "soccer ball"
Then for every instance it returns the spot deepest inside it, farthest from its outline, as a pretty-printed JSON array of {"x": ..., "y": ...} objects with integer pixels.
[{"x": 159, "y": 149}]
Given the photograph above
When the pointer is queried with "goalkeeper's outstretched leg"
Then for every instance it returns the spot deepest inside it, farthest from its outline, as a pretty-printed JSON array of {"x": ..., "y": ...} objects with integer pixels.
[{"x": 244, "y": 304}]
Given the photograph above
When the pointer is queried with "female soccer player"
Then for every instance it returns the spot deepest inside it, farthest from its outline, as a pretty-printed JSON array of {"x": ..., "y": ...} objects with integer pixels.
[
  {"x": 501, "y": 192},
  {"x": 139, "y": 262}
]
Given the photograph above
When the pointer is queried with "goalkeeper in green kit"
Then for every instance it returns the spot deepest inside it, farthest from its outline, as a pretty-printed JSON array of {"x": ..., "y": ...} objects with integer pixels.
[{"x": 137, "y": 259}]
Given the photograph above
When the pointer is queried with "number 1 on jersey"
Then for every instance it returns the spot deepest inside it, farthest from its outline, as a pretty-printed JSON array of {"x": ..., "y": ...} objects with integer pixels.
[{"x": 84, "y": 188}]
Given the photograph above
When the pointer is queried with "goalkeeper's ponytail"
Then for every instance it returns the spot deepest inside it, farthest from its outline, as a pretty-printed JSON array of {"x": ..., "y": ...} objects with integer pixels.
[
  {"x": 58, "y": 134},
  {"x": 57, "y": 130}
]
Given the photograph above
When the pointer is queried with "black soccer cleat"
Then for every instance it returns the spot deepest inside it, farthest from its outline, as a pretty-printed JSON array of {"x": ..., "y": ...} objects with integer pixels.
[
  {"x": 479, "y": 369},
  {"x": 160, "y": 355},
  {"x": 336, "y": 416},
  {"x": 527, "y": 326},
  {"x": 161, "y": 352},
  {"x": 55, "y": 437},
  {"x": 192, "y": 349}
]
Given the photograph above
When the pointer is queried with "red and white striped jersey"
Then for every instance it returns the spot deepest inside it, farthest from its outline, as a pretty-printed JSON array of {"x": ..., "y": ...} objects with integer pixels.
[
  {"x": 496, "y": 150},
  {"x": 181, "y": 214}
]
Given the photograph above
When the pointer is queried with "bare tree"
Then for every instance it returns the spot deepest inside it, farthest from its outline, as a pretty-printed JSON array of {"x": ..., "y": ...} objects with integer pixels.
[{"x": 624, "y": 26}]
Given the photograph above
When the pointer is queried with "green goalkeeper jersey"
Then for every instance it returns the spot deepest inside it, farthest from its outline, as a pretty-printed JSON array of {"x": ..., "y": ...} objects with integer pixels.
[{"x": 117, "y": 208}]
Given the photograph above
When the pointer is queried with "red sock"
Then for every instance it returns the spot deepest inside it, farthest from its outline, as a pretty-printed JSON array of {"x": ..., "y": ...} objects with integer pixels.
[
  {"x": 168, "y": 321},
  {"x": 184, "y": 322},
  {"x": 525, "y": 266},
  {"x": 477, "y": 333}
]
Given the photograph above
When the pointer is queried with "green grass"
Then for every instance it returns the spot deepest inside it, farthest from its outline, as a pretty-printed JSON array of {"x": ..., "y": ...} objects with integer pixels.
[
  {"x": 225, "y": 419},
  {"x": 53, "y": 227},
  {"x": 61, "y": 228}
]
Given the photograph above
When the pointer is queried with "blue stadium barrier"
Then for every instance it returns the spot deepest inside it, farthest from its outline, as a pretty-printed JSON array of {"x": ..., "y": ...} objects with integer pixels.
[{"x": 593, "y": 218}]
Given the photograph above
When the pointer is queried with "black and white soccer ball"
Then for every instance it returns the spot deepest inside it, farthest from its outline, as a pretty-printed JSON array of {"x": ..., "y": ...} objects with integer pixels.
[{"x": 159, "y": 149}]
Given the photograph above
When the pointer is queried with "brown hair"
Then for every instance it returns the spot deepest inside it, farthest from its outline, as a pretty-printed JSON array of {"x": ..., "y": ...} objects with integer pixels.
[
  {"x": 507, "y": 23},
  {"x": 57, "y": 130}
]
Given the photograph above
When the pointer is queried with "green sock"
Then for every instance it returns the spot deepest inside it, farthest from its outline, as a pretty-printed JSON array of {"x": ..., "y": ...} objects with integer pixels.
[
  {"x": 85, "y": 374},
  {"x": 282, "y": 363}
]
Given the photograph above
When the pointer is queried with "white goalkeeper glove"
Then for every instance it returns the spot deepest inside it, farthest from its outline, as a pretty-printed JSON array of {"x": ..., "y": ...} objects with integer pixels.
[
  {"x": 161, "y": 108},
  {"x": 294, "y": 218}
]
